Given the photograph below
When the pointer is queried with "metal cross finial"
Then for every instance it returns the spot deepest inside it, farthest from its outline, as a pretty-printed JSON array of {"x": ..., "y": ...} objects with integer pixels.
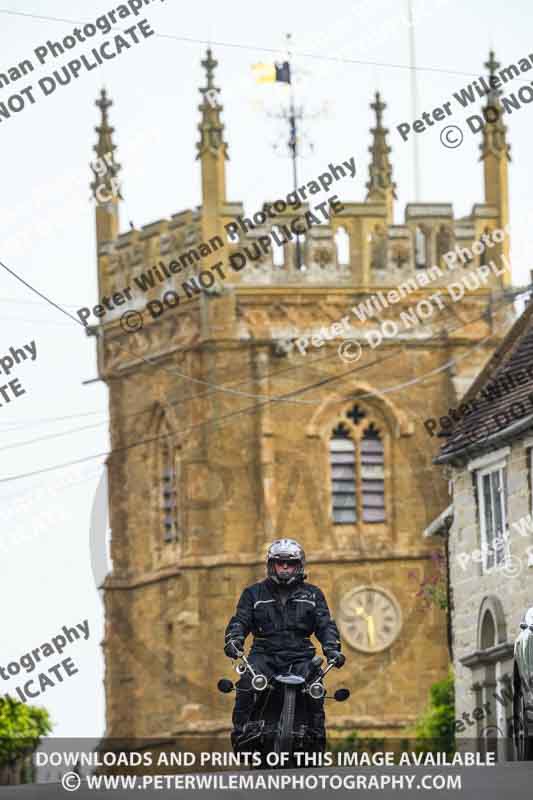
[
  {"x": 209, "y": 65},
  {"x": 492, "y": 65},
  {"x": 378, "y": 106},
  {"x": 103, "y": 103}
]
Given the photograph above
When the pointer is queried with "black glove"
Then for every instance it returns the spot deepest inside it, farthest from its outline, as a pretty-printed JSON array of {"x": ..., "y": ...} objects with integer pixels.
[
  {"x": 337, "y": 657},
  {"x": 234, "y": 648}
]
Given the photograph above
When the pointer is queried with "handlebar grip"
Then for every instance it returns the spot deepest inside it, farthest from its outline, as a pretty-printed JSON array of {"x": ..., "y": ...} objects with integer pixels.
[{"x": 232, "y": 650}]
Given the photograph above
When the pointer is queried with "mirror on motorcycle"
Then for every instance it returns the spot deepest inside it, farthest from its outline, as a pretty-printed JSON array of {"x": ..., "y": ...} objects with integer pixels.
[
  {"x": 341, "y": 695},
  {"x": 225, "y": 685}
]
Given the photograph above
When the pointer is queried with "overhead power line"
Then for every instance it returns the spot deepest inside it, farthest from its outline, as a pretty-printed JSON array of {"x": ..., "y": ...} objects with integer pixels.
[
  {"x": 255, "y": 406},
  {"x": 256, "y": 48},
  {"x": 276, "y": 373}
]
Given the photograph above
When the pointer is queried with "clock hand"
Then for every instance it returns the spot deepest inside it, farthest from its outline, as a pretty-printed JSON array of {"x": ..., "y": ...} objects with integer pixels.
[{"x": 371, "y": 630}]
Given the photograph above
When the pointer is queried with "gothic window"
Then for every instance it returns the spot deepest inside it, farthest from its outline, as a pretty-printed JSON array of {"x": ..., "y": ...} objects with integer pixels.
[
  {"x": 488, "y": 631},
  {"x": 487, "y": 640},
  {"x": 378, "y": 248},
  {"x": 444, "y": 242},
  {"x": 420, "y": 248},
  {"x": 342, "y": 461},
  {"x": 168, "y": 493},
  {"x": 372, "y": 476},
  {"x": 357, "y": 464},
  {"x": 342, "y": 244}
]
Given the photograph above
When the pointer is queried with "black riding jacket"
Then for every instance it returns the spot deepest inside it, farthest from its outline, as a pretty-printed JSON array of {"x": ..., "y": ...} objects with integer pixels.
[{"x": 284, "y": 628}]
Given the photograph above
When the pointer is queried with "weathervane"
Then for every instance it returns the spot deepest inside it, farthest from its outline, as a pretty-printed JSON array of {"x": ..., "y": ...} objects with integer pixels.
[{"x": 292, "y": 115}]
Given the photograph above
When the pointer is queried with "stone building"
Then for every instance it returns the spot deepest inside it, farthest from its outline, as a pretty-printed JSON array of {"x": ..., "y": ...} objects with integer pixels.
[
  {"x": 490, "y": 455},
  {"x": 225, "y": 435}
]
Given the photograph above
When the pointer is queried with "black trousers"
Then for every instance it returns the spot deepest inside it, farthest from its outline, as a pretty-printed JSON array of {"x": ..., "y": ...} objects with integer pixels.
[{"x": 272, "y": 664}]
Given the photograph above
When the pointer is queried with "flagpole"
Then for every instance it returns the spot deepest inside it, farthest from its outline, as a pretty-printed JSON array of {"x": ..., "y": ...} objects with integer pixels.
[{"x": 293, "y": 144}]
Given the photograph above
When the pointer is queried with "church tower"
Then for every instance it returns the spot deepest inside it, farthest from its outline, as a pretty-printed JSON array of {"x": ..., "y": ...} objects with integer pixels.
[{"x": 238, "y": 416}]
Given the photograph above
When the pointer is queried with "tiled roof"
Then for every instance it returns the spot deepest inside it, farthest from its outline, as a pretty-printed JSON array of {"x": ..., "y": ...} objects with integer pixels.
[{"x": 507, "y": 379}]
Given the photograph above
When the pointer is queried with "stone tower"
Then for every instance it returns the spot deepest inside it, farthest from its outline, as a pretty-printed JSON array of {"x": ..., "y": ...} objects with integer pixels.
[{"x": 227, "y": 433}]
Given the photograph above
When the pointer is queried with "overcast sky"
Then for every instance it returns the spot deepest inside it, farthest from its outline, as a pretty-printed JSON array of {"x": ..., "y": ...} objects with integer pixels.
[{"x": 48, "y": 227}]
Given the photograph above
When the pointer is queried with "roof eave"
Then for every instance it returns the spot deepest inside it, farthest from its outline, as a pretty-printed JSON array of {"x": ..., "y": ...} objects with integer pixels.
[{"x": 500, "y": 436}]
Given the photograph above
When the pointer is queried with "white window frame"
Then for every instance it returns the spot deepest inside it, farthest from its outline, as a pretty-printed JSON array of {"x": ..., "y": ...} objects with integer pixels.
[
  {"x": 502, "y": 554},
  {"x": 489, "y": 459}
]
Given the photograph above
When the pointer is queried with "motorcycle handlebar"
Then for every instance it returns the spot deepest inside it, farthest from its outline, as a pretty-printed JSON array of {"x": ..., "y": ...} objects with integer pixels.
[
  {"x": 247, "y": 667},
  {"x": 324, "y": 672}
]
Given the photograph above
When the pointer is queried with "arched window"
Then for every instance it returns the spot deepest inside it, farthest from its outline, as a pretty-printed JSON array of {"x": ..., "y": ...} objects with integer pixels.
[
  {"x": 168, "y": 493},
  {"x": 488, "y": 631},
  {"x": 357, "y": 463},
  {"x": 342, "y": 244},
  {"x": 420, "y": 248}
]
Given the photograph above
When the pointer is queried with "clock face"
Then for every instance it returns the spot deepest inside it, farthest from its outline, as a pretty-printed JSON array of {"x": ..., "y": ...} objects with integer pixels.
[{"x": 370, "y": 619}]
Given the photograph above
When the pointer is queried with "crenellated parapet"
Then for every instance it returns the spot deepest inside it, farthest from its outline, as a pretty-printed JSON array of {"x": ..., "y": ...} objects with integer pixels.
[
  {"x": 134, "y": 253},
  {"x": 356, "y": 248}
]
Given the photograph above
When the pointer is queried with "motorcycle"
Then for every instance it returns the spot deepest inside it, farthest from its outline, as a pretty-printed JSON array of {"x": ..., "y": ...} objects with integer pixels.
[{"x": 282, "y": 712}]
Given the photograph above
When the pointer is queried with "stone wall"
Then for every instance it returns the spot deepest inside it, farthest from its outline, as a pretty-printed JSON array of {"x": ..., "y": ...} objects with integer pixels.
[{"x": 472, "y": 590}]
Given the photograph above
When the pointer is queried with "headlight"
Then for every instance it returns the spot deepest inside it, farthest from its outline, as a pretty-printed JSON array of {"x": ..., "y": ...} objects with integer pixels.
[{"x": 317, "y": 691}]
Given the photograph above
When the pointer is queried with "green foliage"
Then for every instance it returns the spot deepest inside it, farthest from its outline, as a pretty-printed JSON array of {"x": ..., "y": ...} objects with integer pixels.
[
  {"x": 435, "y": 730},
  {"x": 21, "y": 727}
]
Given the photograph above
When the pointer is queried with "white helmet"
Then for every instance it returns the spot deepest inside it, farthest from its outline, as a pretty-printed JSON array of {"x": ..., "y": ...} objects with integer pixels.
[{"x": 286, "y": 550}]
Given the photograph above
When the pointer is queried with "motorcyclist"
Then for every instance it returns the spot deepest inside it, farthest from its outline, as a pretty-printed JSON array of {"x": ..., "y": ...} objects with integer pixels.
[{"x": 281, "y": 612}]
